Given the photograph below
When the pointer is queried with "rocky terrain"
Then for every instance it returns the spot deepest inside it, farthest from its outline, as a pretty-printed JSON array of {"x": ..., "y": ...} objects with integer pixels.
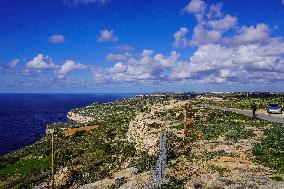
[
  {"x": 220, "y": 162},
  {"x": 77, "y": 118},
  {"x": 216, "y": 149}
]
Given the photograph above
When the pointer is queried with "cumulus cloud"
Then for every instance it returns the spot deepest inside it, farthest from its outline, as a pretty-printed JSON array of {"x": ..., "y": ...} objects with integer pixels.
[
  {"x": 202, "y": 36},
  {"x": 68, "y": 67},
  {"x": 213, "y": 63},
  {"x": 180, "y": 38},
  {"x": 56, "y": 38},
  {"x": 117, "y": 57},
  {"x": 195, "y": 6},
  {"x": 247, "y": 55},
  {"x": 41, "y": 62},
  {"x": 253, "y": 34},
  {"x": 12, "y": 65},
  {"x": 214, "y": 11},
  {"x": 212, "y": 23},
  {"x": 9, "y": 68},
  {"x": 107, "y": 35},
  {"x": 223, "y": 24},
  {"x": 147, "y": 67},
  {"x": 118, "y": 68},
  {"x": 234, "y": 65}
]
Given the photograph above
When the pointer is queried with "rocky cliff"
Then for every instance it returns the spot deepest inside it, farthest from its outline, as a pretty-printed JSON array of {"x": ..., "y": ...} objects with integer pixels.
[{"x": 77, "y": 118}]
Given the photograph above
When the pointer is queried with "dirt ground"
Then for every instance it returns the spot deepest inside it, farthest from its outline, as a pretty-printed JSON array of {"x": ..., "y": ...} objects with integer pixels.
[{"x": 71, "y": 131}]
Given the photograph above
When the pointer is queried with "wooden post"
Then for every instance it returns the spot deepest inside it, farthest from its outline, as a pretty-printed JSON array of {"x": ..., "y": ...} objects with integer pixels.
[
  {"x": 52, "y": 160},
  {"x": 185, "y": 124},
  {"x": 51, "y": 131}
]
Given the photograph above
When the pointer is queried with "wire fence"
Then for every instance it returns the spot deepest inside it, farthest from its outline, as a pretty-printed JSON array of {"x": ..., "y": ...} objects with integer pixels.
[{"x": 159, "y": 172}]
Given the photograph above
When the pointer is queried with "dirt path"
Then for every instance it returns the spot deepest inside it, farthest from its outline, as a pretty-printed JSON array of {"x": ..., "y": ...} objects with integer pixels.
[{"x": 247, "y": 113}]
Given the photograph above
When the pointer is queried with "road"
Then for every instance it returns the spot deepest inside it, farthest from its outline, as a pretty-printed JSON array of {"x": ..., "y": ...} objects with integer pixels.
[{"x": 246, "y": 113}]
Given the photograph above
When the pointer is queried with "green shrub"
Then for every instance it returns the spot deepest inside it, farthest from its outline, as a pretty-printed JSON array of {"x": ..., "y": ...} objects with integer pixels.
[
  {"x": 211, "y": 155},
  {"x": 26, "y": 166},
  {"x": 145, "y": 162},
  {"x": 178, "y": 126},
  {"x": 277, "y": 178},
  {"x": 270, "y": 150},
  {"x": 173, "y": 183},
  {"x": 239, "y": 133}
]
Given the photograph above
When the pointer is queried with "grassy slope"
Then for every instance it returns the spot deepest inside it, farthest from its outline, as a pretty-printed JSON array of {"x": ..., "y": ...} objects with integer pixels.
[{"x": 91, "y": 155}]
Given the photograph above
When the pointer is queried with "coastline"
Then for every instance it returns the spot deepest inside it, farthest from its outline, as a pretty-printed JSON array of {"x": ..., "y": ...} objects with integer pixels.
[
  {"x": 123, "y": 143},
  {"x": 25, "y": 116}
]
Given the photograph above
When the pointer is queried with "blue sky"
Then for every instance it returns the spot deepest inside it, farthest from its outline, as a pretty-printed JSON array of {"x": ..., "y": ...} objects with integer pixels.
[{"x": 141, "y": 46}]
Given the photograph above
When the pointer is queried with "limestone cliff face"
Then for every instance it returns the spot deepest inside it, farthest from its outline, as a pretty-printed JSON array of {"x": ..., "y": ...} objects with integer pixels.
[
  {"x": 77, "y": 118},
  {"x": 144, "y": 131}
]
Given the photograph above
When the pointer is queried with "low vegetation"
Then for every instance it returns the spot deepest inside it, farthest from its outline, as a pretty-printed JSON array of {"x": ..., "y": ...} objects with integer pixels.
[
  {"x": 244, "y": 100},
  {"x": 270, "y": 150},
  {"x": 214, "y": 138}
]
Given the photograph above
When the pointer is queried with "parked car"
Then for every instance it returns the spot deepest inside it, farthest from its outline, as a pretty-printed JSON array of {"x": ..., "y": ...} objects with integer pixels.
[{"x": 274, "y": 108}]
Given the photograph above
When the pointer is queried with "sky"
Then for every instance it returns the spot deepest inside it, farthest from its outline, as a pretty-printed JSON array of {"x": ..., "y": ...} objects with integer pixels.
[{"x": 122, "y": 46}]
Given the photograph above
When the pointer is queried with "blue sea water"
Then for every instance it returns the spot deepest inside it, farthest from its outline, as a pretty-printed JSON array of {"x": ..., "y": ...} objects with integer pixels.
[{"x": 23, "y": 117}]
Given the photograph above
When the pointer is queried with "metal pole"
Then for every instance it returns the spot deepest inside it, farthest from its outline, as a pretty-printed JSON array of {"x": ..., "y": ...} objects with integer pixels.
[{"x": 52, "y": 161}]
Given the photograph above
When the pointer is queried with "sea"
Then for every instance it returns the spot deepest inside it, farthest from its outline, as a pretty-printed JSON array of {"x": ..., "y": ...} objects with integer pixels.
[{"x": 23, "y": 117}]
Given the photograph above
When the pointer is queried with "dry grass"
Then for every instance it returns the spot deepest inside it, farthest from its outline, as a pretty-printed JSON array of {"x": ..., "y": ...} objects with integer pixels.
[{"x": 71, "y": 131}]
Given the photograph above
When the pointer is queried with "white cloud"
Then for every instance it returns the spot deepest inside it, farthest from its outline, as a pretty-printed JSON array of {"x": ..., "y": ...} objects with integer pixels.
[
  {"x": 56, "y": 38},
  {"x": 13, "y": 63},
  {"x": 147, "y": 53},
  {"x": 202, "y": 36},
  {"x": 107, "y": 35},
  {"x": 124, "y": 48},
  {"x": 211, "y": 25},
  {"x": 211, "y": 63},
  {"x": 195, "y": 6},
  {"x": 223, "y": 24},
  {"x": 247, "y": 35},
  {"x": 180, "y": 38},
  {"x": 229, "y": 64},
  {"x": 118, "y": 68},
  {"x": 214, "y": 11},
  {"x": 43, "y": 66},
  {"x": 117, "y": 57},
  {"x": 225, "y": 73},
  {"x": 282, "y": 1},
  {"x": 41, "y": 62},
  {"x": 148, "y": 67},
  {"x": 247, "y": 55},
  {"x": 68, "y": 67}
]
